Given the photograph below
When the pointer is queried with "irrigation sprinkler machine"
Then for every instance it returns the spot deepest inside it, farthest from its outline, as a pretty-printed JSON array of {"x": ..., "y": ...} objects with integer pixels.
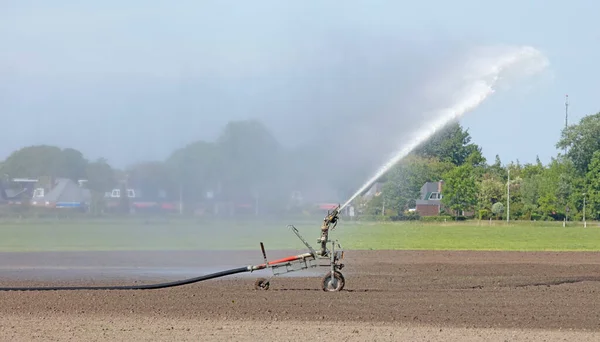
[
  {"x": 333, "y": 280},
  {"x": 329, "y": 254}
]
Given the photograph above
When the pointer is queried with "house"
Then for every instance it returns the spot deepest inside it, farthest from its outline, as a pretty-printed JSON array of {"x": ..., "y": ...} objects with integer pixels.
[
  {"x": 327, "y": 207},
  {"x": 429, "y": 202},
  {"x": 140, "y": 202},
  {"x": 62, "y": 193}
]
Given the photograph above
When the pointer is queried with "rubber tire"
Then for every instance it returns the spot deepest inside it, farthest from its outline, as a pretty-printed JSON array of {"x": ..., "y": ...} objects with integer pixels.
[
  {"x": 261, "y": 284},
  {"x": 341, "y": 282}
]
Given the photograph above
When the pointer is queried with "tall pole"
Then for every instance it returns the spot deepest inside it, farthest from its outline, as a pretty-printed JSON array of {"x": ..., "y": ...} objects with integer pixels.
[
  {"x": 566, "y": 116},
  {"x": 565, "y": 150},
  {"x": 508, "y": 197}
]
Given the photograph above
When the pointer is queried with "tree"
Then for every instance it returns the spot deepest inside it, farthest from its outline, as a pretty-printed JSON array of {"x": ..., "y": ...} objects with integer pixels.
[
  {"x": 72, "y": 164},
  {"x": 150, "y": 178},
  {"x": 460, "y": 189},
  {"x": 556, "y": 188},
  {"x": 530, "y": 183},
  {"x": 375, "y": 206},
  {"x": 195, "y": 169},
  {"x": 592, "y": 187},
  {"x": 100, "y": 176},
  {"x": 124, "y": 203},
  {"x": 514, "y": 184},
  {"x": 477, "y": 160},
  {"x": 44, "y": 160},
  {"x": 100, "y": 179},
  {"x": 530, "y": 170},
  {"x": 581, "y": 141},
  {"x": 33, "y": 161},
  {"x": 491, "y": 191},
  {"x": 498, "y": 209},
  {"x": 496, "y": 170},
  {"x": 250, "y": 160},
  {"x": 451, "y": 144},
  {"x": 530, "y": 196}
]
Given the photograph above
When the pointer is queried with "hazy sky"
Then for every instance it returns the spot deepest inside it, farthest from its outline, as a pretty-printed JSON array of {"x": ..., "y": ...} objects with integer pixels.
[{"x": 133, "y": 80}]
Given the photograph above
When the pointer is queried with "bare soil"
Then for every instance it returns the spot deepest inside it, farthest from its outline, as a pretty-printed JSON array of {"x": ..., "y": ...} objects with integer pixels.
[{"x": 389, "y": 296}]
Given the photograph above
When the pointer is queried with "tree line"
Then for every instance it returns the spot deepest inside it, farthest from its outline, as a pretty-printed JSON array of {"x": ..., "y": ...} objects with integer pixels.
[
  {"x": 244, "y": 162},
  {"x": 247, "y": 162}
]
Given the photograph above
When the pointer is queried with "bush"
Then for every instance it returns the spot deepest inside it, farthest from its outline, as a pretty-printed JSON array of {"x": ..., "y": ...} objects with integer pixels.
[
  {"x": 498, "y": 209},
  {"x": 440, "y": 218},
  {"x": 405, "y": 217},
  {"x": 376, "y": 218},
  {"x": 410, "y": 216},
  {"x": 484, "y": 214}
]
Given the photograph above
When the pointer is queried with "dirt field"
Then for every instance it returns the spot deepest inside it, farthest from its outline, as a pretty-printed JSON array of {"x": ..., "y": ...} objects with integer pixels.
[{"x": 389, "y": 296}]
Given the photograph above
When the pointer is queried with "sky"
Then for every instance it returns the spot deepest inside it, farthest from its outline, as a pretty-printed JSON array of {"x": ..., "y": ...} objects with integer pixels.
[{"x": 132, "y": 81}]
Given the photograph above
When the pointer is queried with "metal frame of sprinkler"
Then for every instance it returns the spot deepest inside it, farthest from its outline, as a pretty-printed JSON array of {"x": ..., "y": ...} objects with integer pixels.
[{"x": 333, "y": 280}]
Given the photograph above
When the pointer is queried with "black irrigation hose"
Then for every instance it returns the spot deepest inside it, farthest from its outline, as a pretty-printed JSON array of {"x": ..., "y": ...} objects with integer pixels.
[{"x": 133, "y": 287}]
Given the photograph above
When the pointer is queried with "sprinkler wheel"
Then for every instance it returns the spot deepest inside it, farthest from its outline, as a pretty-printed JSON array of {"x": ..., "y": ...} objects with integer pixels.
[
  {"x": 261, "y": 284},
  {"x": 335, "y": 284}
]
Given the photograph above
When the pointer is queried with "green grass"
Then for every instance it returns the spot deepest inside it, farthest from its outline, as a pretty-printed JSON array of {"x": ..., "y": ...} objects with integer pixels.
[
  {"x": 136, "y": 234},
  {"x": 469, "y": 236}
]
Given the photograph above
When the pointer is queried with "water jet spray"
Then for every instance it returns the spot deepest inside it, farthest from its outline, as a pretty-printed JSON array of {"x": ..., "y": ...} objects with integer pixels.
[{"x": 486, "y": 72}]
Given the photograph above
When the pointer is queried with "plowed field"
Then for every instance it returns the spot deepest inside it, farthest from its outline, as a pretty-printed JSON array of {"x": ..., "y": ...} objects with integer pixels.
[{"x": 389, "y": 296}]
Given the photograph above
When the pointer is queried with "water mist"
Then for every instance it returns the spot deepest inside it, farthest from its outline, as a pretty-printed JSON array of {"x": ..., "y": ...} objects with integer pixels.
[{"x": 486, "y": 69}]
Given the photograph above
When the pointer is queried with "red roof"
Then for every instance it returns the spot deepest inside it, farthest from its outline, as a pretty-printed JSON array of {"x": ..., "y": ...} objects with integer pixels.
[{"x": 328, "y": 206}]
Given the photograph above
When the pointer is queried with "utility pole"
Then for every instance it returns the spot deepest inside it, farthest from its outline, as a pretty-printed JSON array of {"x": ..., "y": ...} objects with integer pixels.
[
  {"x": 565, "y": 150},
  {"x": 508, "y": 197},
  {"x": 566, "y": 117}
]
